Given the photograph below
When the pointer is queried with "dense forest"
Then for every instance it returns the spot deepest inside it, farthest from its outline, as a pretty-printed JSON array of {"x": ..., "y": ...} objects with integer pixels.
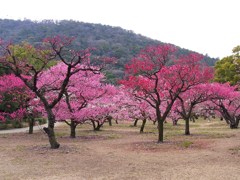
[{"x": 108, "y": 41}]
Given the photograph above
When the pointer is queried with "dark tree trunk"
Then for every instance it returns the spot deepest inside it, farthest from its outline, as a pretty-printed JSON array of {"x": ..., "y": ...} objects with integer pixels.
[
  {"x": 51, "y": 136},
  {"x": 135, "y": 123},
  {"x": 97, "y": 128},
  {"x": 160, "y": 131},
  {"x": 143, "y": 125},
  {"x": 160, "y": 126},
  {"x": 192, "y": 117},
  {"x": 234, "y": 125},
  {"x": 96, "y": 125},
  {"x": 187, "y": 129},
  {"x": 110, "y": 122},
  {"x": 73, "y": 126},
  {"x": 174, "y": 122},
  {"x": 50, "y": 130},
  {"x": 193, "y": 120},
  {"x": 237, "y": 122},
  {"x": 109, "y": 118},
  {"x": 232, "y": 121},
  {"x": 31, "y": 124}
]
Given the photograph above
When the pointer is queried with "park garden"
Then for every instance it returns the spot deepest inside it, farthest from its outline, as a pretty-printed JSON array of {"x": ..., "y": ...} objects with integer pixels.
[{"x": 164, "y": 105}]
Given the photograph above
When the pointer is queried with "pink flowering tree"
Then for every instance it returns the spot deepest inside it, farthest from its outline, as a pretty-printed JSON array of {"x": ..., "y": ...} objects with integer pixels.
[
  {"x": 28, "y": 63},
  {"x": 188, "y": 100},
  {"x": 134, "y": 109},
  {"x": 105, "y": 108},
  {"x": 174, "y": 115},
  {"x": 83, "y": 89},
  {"x": 15, "y": 97},
  {"x": 226, "y": 101},
  {"x": 143, "y": 112},
  {"x": 160, "y": 85},
  {"x": 78, "y": 104}
]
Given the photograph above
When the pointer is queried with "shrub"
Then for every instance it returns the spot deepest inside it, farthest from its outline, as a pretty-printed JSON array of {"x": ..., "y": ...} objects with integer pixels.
[
  {"x": 3, "y": 126},
  {"x": 17, "y": 124}
]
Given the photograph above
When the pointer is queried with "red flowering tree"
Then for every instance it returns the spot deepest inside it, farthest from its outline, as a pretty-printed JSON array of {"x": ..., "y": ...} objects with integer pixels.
[
  {"x": 161, "y": 85},
  {"x": 28, "y": 63}
]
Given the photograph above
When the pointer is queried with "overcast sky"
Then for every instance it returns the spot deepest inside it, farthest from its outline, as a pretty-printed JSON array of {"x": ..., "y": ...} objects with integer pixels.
[{"x": 207, "y": 26}]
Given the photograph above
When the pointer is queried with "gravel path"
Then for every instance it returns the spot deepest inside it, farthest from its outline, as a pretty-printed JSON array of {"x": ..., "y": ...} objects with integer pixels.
[{"x": 25, "y": 130}]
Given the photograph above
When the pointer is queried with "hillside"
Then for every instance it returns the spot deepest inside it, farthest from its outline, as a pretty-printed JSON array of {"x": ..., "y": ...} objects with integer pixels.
[{"x": 108, "y": 40}]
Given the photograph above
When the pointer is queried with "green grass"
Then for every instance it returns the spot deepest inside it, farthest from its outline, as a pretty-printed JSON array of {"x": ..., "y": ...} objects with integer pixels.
[
  {"x": 201, "y": 129},
  {"x": 186, "y": 144},
  {"x": 86, "y": 131},
  {"x": 61, "y": 133}
]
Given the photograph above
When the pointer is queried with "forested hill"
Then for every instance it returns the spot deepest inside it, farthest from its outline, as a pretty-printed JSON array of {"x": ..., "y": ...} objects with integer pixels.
[{"x": 108, "y": 40}]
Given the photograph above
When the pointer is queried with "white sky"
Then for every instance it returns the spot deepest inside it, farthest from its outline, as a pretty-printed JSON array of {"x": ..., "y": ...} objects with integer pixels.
[{"x": 207, "y": 26}]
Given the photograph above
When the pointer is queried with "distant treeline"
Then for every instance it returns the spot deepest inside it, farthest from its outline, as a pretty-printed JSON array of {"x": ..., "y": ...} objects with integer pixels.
[{"x": 108, "y": 40}]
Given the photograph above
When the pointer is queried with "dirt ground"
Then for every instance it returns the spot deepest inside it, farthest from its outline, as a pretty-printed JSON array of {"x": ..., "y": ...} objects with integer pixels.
[{"x": 121, "y": 152}]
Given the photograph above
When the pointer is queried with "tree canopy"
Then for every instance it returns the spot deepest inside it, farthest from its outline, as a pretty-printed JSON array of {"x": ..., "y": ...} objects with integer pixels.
[{"x": 228, "y": 68}]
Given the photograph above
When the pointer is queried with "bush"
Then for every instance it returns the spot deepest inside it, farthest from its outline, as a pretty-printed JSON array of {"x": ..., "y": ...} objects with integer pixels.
[
  {"x": 17, "y": 124},
  {"x": 41, "y": 120},
  {"x": 3, "y": 126}
]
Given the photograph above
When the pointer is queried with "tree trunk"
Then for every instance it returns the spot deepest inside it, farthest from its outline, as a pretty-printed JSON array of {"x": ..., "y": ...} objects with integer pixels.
[
  {"x": 50, "y": 130},
  {"x": 160, "y": 126},
  {"x": 160, "y": 131},
  {"x": 94, "y": 125},
  {"x": 97, "y": 128},
  {"x": 110, "y": 122},
  {"x": 233, "y": 125},
  {"x": 174, "y": 122},
  {"x": 73, "y": 126},
  {"x": 135, "y": 123},
  {"x": 143, "y": 125},
  {"x": 193, "y": 120},
  {"x": 51, "y": 136},
  {"x": 31, "y": 124},
  {"x": 237, "y": 122},
  {"x": 109, "y": 118},
  {"x": 187, "y": 129},
  {"x": 233, "y": 122}
]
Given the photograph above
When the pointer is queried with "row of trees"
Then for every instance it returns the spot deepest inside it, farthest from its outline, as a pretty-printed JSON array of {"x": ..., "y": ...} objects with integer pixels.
[
  {"x": 181, "y": 90},
  {"x": 65, "y": 85}
]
